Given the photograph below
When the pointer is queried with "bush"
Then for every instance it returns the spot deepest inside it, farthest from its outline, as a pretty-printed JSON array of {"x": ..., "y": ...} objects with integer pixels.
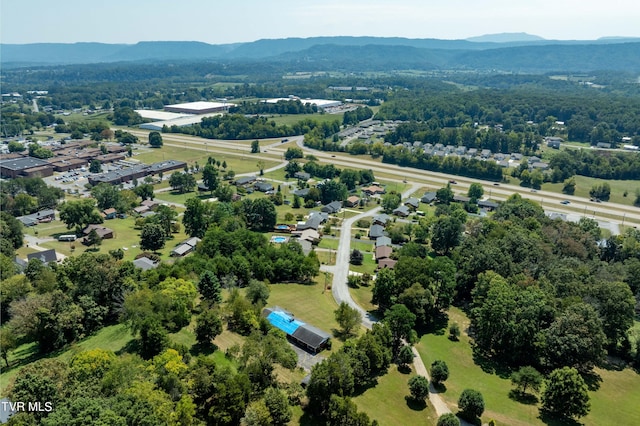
[
  {"x": 419, "y": 388},
  {"x": 471, "y": 404},
  {"x": 454, "y": 332},
  {"x": 439, "y": 371},
  {"x": 448, "y": 419}
]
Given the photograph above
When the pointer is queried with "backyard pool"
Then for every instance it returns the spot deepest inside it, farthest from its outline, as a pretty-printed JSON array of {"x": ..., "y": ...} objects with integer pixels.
[{"x": 278, "y": 239}]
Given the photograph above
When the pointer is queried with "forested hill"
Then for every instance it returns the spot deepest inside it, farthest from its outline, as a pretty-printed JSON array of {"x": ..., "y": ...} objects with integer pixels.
[{"x": 352, "y": 53}]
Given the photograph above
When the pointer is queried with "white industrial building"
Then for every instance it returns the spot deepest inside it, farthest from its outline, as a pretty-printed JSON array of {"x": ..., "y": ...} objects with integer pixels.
[
  {"x": 182, "y": 121},
  {"x": 320, "y": 103},
  {"x": 198, "y": 107}
]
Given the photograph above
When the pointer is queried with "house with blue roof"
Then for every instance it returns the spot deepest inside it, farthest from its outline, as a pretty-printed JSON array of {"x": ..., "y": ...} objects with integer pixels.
[{"x": 300, "y": 333}]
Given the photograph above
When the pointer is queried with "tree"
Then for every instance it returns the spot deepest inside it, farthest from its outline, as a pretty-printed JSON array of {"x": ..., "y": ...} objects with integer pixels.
[
  {"x": 439, "y": 371},
  {"x": 93, "y": 239},
  {"x": 448, "y": 419},
  {"x": 196, "y": 217},
  {"x": 165, "y": 216},
  {"x": 8, "y": 342},
  {"x": 278, "y": 406},
  {"x": 401, "y": 322},
  {"x": 182, "y": 182},
  {"x": 79, "y": 213},
  {"x": 600, "y": 191},
  {"x": 260, "y": 165},
  {"x": 155, "y": 139},
  {"x": 209, "y": 287},
  {"x": 257, "y": 292},
  {"x": 444, "y": 195},
  {"x": 144, "y": 191},
  {"x": 405, "y": 356},
  {"x": 615, "y": 303},
  {"x": 224, "y": 193},
  {"x": 476, "y": 191},
  {"x": 210, "y": 177},
  {"x": 390, "y": 201},
  {"x": 333, "y": 191},
  {"x": 107, "y": 196},
  {"x": 569, "y": 186},
  {"x": 208, "y": 326},
  {"x": 445, "y": 234},
  {"x": 356, "y": 257},
  {"x": 257, "y": 414},
  {"x": 565, "y": 394},
  {"x": 419, "y": 388},
  {"x": 293, "y": 152},
  {"x": 95, "y": 166},
  {"x": 574, "y": 339},
  {"x": 261, "y": 214},
  {"x": 350, "y": 178},
  {"x": 255, "y": 146},
  {"x": 11, "y": 230},
  {"x": 153, "y": 338},
  {"x": 384, "y": 289},
  {"x": 347, "y": 317},
  {"x": 471, "y": 404},
  {"x": 526, "y": 377},
  {"x": 454, "y": 332},
  {"x": 344, "y": 412},
  {"x": 152, "y": 237}
]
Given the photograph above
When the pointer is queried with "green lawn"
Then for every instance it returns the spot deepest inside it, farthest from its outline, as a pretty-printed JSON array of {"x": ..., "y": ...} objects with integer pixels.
[
  {"x": 619, "y": 389},
  {"x": 369, "y": 264},
  {"x": 584, "y": 184},
  {"x": 386, "y": 402},
  {"x": 295, "y": 118},
  {"x": 112, "y": 338},
  {"x": 362, "y": 296}
]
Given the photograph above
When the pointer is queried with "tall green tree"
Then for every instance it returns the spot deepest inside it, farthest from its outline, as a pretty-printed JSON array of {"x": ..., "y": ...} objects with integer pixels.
[
  {"x": 210, "y": 288},
  {"x": 155, "y": 139},
  {"x": 471, "y": 404},
  {"x": 255, "y": 146},
  {"x": 347, "y": 317},
  {"x": 401, "y": 322},
  {"x": 208, "y": 326},
  {"x": 476, "y": 191},
  {"x": 526, "y": 377},
  {"x": 152, "y": 237},
  {"x": 419, "y": 387},
  {"x": 566, "y": 394},
  {"x": 79, "y": 213},
  {"x": 210, "y": 177}
]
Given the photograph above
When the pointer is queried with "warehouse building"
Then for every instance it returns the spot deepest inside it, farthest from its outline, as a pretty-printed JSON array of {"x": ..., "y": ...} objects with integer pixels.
[
  {"x": 25, "y": 167},
  {"x": 198, "y": 108}
]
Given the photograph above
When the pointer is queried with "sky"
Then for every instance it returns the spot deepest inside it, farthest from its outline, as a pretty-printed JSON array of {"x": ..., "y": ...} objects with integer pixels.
[{"x": 218, "y": 22}]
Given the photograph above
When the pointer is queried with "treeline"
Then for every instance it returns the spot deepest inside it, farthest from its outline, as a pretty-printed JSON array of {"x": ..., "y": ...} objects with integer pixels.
[
  {"x": 28, "y": 195},
  {"x": 597, "y": 164},
  {"x": 522, "y": 109},
  {"x": 542, "y": 292},
  {"x": 460, "y": 166},
  {"x": 293, "y": 106},
  {"x": 235, "y": 126}
]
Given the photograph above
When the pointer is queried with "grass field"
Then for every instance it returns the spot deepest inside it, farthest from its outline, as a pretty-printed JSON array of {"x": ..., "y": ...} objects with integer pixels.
[
  {"x": 386, "y": 402},
  {"x": 113, "y": 338},
  {"x": 619, "y": 389},
  {"x": 295, "y": 118},
  {"x": 618, "y": 187},
  {"x": 126, "y": 237}
]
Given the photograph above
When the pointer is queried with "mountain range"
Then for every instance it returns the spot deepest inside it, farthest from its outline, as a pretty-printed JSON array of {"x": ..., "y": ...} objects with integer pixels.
[{"x": 518, "y": 52}]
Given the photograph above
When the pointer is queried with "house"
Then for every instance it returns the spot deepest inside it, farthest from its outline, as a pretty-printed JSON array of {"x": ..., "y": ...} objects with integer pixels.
[
  {"x": 44, "y": 256},
  {"x": 109, "y": 213},
  {"x": 516, "y": 156},
  {"x": 352, "y": 201},
  {"x": 412, "y": 203},
  {"x": 185, "y": 247},
  {"x": 383, "y": 241},
  {"x": 301, "y": 192},
  {"x": 42, "y": 216},
  {"x": 387, "y": 263},
  {"x": 553, "y": 142},
  {"x": 461, "y": 199},
  {"x": 332, "y": 207},
  {"x": 383, "y": 252},
  {"x": 373, "y": 190},
  {"x": 402, "y": 211},
  {"x": 540, "y": 165},
  {"x": 141, "y": 209},
  {"x": 376, "y": 231},
  {"x": 472, "y": 151},
  {"x": 603, "y": 145},
  {"x": 302, "y": 334},
  {"x": 263, "y": 186},
  {"x": 428, "y": 197},
  {"x": 310, "y": 235},
  {"x": 150, "y": 203},
  {"x": 145, "y": 263},
  {"x": 314, "y": 221},
  {"x": 487, "y": 205},
  {"x": 202, "y": 187},
  {"x": 381, "y": 219},
  {"x": 302, "y": 176},
  {"x": 102, "y": 231},
  {"x": 245, "y": 180}
]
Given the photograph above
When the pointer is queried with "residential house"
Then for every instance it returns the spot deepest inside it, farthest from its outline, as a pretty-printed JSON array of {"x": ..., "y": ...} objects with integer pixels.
[
  {"x": 145, "y": 263},
  {"x": 185, "y": 247},
  {"x": 352, "y": 201},
  {"x": 540, "y": 165},
  {"x": 314, "y": 221},
  {"x": 301, "y": 192},
  {"x": 110, "y": 213},
  {"x": 402, "y": 211},
  {"x": 302, "y": 334},
  {"x": 381, "y": 219},
  {"x": 428, "y": 197},
  {"x": 43, "y": 216},
  {"x": 141, "y": 209},
  {"x": 45, "y": 257},
  {"x": 383, "y": 252},
  {"x": 387, "y": 263},
  {"x": 373, "y": 190},
  {"x": 332, "y": 207},
  {"x": 302, "y": 176},
  {"x": 413, "y": 203},
  {"x": 383, "y": 241},
  {"x": 376, "y": 231},
  {"x": 245, "y": 180},
  {"x": 152, "y": 204},
  {"x": 461, "y": 199},
  {"x": 488, "y": 205},
  {"x": 102, "y": 231},
  {"x": 263, "y": 186}
]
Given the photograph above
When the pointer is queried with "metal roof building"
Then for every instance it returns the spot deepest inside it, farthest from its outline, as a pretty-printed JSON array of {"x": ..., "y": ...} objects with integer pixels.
[{"x": 301, "y": 333}]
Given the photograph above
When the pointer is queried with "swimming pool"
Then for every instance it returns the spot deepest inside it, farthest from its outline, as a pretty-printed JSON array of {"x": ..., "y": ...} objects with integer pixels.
[{"x": 278, "y": 239}]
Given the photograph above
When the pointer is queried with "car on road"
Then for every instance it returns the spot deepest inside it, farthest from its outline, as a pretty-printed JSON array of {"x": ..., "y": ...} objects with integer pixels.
[
  {"x": 496, "y": 184},
  {"x": 565, "y": 202},
  {"x": 453, "y": 182}
]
